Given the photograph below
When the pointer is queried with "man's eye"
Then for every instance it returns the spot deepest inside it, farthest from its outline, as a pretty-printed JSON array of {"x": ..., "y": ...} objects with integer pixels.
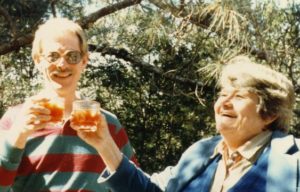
[
  {"x": 222, "y": 94},
  {"x": 73, "y": 57},
  {"x": 52, "y": 57}
]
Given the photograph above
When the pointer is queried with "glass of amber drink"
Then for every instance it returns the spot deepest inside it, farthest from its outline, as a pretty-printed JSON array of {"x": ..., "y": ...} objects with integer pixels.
[
  {"x": 85, "y": 114},
  {"x": 56, "y": 108}
]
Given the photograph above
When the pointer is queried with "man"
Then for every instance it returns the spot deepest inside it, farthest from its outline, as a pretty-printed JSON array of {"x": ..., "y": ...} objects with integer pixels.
[{"x": 36, "y": 155}]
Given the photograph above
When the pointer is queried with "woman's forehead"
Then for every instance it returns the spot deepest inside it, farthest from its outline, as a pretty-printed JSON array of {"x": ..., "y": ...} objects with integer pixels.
[{"x": 229, "y": 88}]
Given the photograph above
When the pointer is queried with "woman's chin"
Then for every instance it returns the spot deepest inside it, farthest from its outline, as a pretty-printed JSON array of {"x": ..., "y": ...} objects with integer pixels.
[{"x": 224, "y": 129}]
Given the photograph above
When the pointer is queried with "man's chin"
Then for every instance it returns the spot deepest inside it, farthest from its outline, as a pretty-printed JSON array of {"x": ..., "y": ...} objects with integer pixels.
[{"x": 54, "y": 86}]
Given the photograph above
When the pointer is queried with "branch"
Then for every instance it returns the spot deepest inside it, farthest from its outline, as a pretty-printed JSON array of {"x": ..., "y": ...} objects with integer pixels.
[
  {"x": 126, "y": 56},
  {"x": 7, "y": 17},
  {"x": 182, "y": 4},
  {"x": 16, "y": 44},
  {"x": 85, "y": 22},
  {"x": 93, "y": 17},
  {"x": 52, "y": 5},
  {"x": 194, "y": 18}
]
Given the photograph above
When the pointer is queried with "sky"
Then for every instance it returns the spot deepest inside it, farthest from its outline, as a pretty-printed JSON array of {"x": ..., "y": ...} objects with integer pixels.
[{"x": 284, "y": 3}]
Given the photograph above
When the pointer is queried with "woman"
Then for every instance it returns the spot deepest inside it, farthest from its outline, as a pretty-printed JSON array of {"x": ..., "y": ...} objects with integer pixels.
[{"x": 252, "y": 153}]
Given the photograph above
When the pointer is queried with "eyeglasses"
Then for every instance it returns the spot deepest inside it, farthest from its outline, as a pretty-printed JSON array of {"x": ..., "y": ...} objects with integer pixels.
[{"x": 72, "y": 57}]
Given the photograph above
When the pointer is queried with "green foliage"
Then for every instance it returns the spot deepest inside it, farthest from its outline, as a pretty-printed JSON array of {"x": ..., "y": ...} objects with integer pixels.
[
  {"x": 17, "y": 81},
  {"x": 19, "y": 18}
]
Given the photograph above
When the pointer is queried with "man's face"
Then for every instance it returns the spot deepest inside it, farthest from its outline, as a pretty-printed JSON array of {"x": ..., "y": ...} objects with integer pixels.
[
  {"x": 61, "y": 62},
  {"x": 236, "y": 114}
]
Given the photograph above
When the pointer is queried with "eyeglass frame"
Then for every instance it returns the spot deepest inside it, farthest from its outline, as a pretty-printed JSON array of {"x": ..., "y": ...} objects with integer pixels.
[{"x": 64, "y": 55}]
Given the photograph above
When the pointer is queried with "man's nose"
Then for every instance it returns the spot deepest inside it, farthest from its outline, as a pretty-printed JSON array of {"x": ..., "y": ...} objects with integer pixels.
[{"x": 61, "y": 64}]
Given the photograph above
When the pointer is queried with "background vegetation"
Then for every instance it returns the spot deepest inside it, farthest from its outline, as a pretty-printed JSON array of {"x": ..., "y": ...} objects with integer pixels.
[{"x": 154, "y": 63}]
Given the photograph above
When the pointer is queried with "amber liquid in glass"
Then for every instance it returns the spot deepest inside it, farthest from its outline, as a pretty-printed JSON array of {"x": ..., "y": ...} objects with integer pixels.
[
  {"x": 85, "y": 117},
  {"x": 86, "y": 114},
  {"x": 56, "y": 111}
]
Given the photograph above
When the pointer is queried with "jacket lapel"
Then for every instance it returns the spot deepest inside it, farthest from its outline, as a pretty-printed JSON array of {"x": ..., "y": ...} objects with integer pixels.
[
  {"x": 192, "y": 163},
  {"x": 281, "y": 177}
]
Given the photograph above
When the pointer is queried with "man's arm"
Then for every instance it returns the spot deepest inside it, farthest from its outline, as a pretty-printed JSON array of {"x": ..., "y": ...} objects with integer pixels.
[
  {"x": 10, "y": 154},
  {"x": 120, "y": 175}
]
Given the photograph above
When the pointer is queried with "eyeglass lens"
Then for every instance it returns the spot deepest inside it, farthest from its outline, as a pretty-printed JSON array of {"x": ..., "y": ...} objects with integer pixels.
[{"x": 72, "y": 57}]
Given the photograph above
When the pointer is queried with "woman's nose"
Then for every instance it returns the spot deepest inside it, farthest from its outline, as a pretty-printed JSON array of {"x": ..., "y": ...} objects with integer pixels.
[{"x": 226, "y": 101}]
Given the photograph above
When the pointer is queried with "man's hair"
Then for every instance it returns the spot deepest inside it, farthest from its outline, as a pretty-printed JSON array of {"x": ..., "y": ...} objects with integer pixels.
[
  {"x": 56, "y": 27},
  {"x": 275, "y": 91}
]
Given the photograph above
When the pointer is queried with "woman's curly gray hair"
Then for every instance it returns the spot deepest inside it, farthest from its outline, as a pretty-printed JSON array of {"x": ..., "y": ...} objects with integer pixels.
[{"x": 275, "y": 91}]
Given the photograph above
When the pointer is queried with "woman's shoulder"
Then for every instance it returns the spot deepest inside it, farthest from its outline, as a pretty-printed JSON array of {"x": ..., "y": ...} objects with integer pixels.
[
  {"x": 203, "y": 148},
  {"x": 285, "y": 143},
  {"x": 206, "y": 143}
]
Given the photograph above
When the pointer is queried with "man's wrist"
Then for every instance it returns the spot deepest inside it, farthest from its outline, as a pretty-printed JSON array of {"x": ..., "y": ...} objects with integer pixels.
[
  {"x": 17, "y": 137},
  {"x": 110, "y": 154}
]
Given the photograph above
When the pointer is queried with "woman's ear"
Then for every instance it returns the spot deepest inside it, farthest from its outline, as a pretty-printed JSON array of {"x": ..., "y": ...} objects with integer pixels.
[{"x": 270, "y": 119}]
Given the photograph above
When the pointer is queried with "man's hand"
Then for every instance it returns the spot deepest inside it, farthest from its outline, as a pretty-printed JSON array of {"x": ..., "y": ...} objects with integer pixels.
[
  {"x": 32, "y": 117},
  {"x": 102, "y": 141}
]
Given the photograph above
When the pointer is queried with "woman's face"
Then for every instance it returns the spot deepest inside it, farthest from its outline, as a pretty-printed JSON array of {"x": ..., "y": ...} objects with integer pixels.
[{"x": 236, "y": 114}]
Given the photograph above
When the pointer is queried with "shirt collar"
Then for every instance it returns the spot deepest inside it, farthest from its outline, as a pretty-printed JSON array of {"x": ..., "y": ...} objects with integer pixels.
[{"x": 249, "y": 149}]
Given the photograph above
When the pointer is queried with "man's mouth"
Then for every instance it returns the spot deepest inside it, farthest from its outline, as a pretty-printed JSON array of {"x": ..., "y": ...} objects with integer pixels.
[{"x": 61, "y": 74}]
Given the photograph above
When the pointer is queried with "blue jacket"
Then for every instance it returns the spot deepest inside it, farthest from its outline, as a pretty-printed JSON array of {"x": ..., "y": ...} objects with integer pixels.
[{"x": 283, "y": 174}]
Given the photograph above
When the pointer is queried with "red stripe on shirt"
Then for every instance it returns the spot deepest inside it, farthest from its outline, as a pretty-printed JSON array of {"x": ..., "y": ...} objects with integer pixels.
[
  {"x": 67, "y": 130},
  {"x": 6, "y": 177},
  {"x": 120, "y": 137},
  {"x": 61, "y": 163}
]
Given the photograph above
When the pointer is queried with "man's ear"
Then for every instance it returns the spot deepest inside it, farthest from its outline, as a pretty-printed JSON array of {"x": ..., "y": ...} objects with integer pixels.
[
  {"x": 36, "y": 59},
  {"x": 37, "y": 62},
  {"x": 85, "y": 60}
]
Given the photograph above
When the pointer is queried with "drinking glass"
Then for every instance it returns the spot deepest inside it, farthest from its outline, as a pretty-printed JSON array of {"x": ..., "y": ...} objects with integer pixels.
[
  {"x": 85, "y": 114},
  {"x": 56, "y": 108}
]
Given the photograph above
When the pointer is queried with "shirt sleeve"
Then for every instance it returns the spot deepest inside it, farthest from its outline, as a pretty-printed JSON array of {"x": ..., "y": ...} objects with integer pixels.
[
  {"x": 128, "y": 178},
  {"x": 10, "y": 157}
]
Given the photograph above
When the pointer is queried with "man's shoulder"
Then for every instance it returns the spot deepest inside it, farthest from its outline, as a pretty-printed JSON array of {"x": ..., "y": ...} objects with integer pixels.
[
  {"x": 12, "y": 111},
  {"x": 9, "y": 117},
  {"x": 108, "y": 113},
  {"x": 111, "y": 119}
]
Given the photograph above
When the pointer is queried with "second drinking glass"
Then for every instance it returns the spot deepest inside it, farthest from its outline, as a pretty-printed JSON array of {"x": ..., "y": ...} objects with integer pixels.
[{"x": 85, "y": 114}]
